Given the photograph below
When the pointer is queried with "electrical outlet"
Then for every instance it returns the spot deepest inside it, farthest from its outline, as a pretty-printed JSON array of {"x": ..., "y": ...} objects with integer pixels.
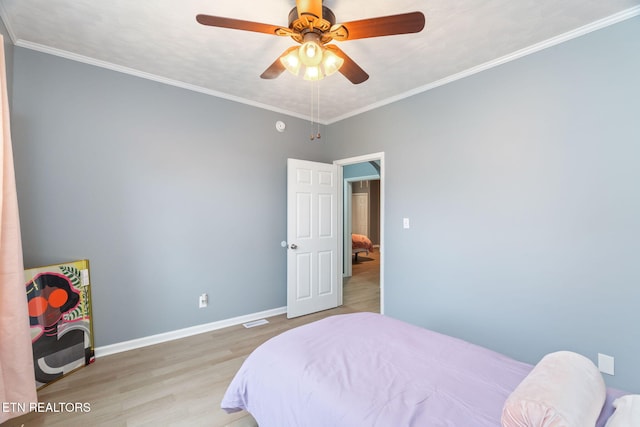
[
  {"x": 203, "y": 301},
  {"x": 605, "y": 364}
]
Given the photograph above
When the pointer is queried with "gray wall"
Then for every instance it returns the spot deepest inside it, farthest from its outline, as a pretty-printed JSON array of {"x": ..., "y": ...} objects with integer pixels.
[
  {"x": 8, "y": 57},
  {"x": 169, "y": 194},
  {"x": 521, "y": 184}
]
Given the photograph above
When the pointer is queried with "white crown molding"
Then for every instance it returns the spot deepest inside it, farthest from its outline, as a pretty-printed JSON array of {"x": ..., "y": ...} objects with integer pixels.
[
  {"x": 7, "y": 23},
  {"x": 578, "y": 32},
  {"x": 586, "y": 29},
  {"x": 183, "y": 333},
  {"x": 149, "y": 76}
]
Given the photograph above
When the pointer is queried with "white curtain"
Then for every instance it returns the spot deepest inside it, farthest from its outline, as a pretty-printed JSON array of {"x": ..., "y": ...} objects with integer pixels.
[{"x": 17, "y": 381}]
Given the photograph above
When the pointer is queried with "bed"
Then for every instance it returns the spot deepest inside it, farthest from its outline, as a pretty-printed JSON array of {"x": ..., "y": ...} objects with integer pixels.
[
  {"x": 366, "y": 369},
  {"x": 360, "y": 243}
]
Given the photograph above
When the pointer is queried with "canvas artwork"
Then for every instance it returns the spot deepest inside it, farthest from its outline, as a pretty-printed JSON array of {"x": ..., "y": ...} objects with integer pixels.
[{"x": 59, "y": 300}]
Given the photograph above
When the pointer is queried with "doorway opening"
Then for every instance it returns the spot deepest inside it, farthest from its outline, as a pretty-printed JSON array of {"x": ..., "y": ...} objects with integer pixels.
[{"x": 362, "y": 271}]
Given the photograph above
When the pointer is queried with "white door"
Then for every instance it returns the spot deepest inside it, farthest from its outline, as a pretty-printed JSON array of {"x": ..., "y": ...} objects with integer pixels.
[{"x": 312, "y": 235}]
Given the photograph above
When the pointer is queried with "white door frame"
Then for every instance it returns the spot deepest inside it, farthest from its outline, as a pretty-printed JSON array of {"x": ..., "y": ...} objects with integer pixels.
[{"x": 341, "y": 248}]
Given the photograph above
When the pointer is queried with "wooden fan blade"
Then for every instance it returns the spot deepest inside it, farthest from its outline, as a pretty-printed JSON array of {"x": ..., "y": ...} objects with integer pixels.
[
  {"x": 405, "y": 23},
  {"x": 274, "y": 70},
  {"x": 349, "y": 69},
  {"x": 238, "y": 24},
  {"x": 309, "y": 7}
]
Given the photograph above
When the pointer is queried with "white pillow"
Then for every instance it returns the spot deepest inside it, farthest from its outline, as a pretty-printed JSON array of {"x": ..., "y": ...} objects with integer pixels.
[
  {"x": 564, "y": 389},
  {"x": 627, "y": 412}
]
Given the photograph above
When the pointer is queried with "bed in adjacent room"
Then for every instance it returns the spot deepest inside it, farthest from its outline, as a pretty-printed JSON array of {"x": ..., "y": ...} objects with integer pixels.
[
  {"x": 366, "y": 369},
  {"x": 360, "y": 243}
]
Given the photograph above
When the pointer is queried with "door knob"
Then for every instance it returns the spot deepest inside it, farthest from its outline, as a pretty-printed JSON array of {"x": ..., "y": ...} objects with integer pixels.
[{"x": 293, "y": 246}]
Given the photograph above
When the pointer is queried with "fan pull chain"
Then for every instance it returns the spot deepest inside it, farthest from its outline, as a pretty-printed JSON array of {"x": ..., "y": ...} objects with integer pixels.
[
  {"x": 318, "y": 110},
  {"x": 315, "y": 134},
  {"x": 312, "y": 137}
]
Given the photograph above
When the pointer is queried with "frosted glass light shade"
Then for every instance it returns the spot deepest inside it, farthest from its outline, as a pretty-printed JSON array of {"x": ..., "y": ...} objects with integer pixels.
[
  {"x": 331, "y": 62},
  {"x": 311, "y": 61},
  {"x": 291, "y": 62},
  {"x": 313, "y": 73},
  {"x": 310, "y": 53}
]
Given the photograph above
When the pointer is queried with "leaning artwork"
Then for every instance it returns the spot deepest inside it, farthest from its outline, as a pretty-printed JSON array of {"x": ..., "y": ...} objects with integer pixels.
[{"x": 59, "y": 301}]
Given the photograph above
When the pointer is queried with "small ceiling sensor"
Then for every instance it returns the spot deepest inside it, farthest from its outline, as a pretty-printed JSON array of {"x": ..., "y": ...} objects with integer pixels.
[{"x": 280, "y": 126}]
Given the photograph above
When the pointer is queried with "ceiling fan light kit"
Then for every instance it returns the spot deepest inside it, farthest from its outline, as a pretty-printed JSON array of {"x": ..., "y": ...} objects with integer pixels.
[
  {"x": 311, "y": 60},
  {"x": 313, "y": 26}
]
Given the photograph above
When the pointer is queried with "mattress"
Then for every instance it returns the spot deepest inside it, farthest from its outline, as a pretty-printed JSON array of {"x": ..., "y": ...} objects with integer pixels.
[{"x": 366, "y": 369}]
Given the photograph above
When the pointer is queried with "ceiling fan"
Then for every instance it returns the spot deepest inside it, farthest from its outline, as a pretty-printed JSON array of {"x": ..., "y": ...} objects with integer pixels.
[{"x": 313, "y": 25}]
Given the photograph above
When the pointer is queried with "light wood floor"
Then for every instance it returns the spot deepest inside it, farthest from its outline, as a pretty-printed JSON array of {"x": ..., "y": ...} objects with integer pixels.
[{"x": 181, "y": 383}]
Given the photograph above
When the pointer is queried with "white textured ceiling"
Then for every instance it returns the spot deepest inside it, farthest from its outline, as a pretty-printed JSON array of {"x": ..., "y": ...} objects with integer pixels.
[{"x": 161, "y": 40}]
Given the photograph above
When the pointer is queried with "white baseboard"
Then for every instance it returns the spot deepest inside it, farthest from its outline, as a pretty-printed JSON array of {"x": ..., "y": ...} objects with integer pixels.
[{"x": 186, "y": 332}]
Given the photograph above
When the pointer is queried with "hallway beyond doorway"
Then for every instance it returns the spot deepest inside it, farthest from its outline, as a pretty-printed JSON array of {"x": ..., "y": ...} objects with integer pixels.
[{"x": 362, "y": 289}]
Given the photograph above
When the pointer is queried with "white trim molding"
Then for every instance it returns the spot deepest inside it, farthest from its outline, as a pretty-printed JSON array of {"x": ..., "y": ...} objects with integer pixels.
[
  {"x": 585, "y": 29},
  {"x": 183, "y": 333},
  {"x": 153, "y": 77},
  {"x": 570, "y": 35}
]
